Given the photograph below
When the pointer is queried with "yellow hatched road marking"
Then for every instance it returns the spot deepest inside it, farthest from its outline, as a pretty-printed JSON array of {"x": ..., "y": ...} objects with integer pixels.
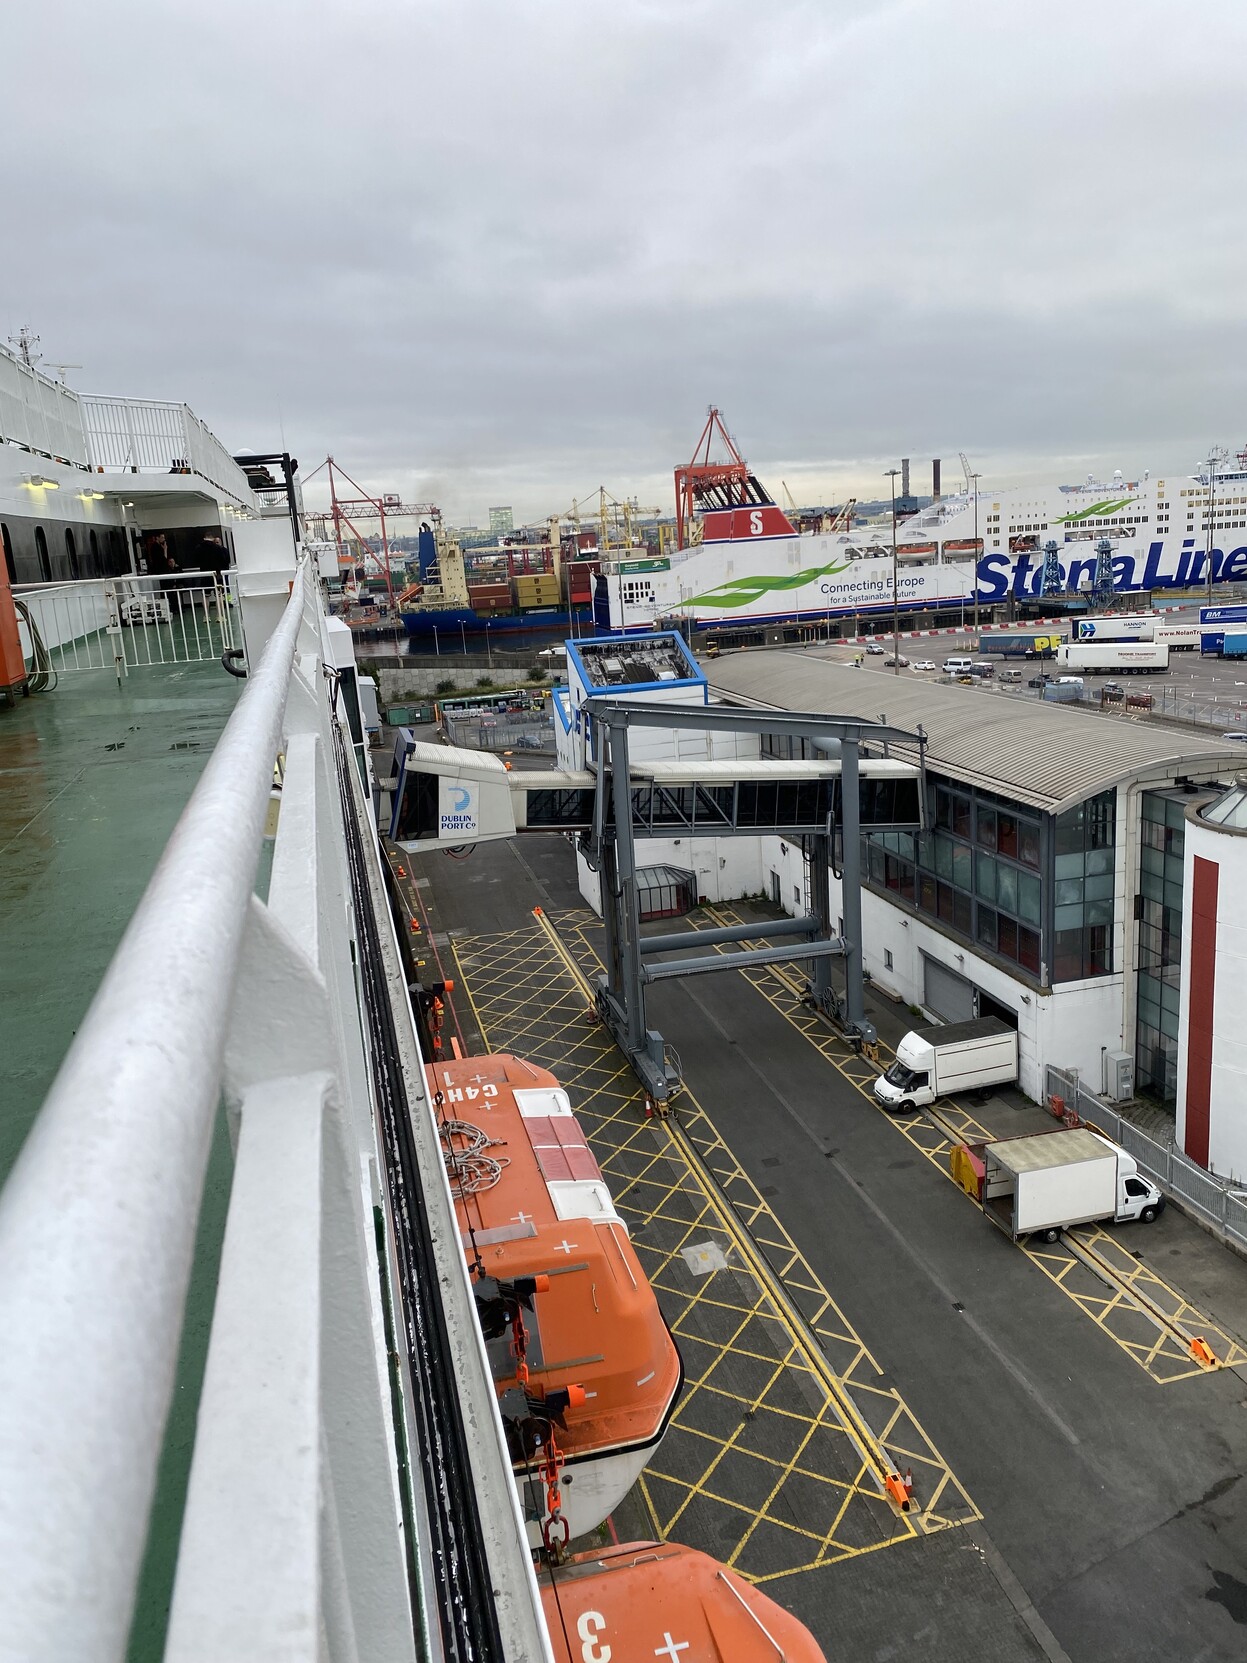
[
  {"x": 1143, "y": 1325},
  {"x": 773, "y": 1453}
]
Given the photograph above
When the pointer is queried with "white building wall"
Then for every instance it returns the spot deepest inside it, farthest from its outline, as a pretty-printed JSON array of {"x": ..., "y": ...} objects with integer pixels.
[
  {"x": 1071, "y": 1027},
  {"x": 1227, "y": 1117}
]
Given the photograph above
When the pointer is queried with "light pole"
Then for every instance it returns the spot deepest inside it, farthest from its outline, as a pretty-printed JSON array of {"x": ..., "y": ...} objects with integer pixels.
[
  {"x": 896, "y": 605},
  {"x": 1215, "y": 455},
  {"x": 463, "y": 638},
  {"x": 437, "y": 646},
  {"x": 974, "y": 564},
  {"x": 489, "y": 645}
]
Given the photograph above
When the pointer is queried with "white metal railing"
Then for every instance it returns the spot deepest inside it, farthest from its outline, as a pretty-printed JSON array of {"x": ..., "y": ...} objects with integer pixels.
[
  {"x": 154, "y": 436},
  {"x": 1220, "y": 1202},
  {"x": 292, "y": 1542},
  {"x": 128, "y": 623},
  {"x": 38, "y": 413}
]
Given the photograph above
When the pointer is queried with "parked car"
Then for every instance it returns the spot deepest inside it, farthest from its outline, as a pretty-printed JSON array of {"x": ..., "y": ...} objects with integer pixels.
[
  {"x": 1112, "y": 690},
  {"x": 1039, "y": 681},
  {"x": 874, "y": 649},
  {"x": 892, "y": 663},
  {"x": 1014, "y": 677},
  {"x": 923, "y": 664}
]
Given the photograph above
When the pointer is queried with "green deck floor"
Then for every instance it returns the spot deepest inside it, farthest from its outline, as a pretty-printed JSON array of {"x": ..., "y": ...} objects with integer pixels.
[{"x": 92, "y": 780}]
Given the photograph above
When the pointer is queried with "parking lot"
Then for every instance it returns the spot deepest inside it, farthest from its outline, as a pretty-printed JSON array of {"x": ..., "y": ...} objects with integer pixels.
[{"x": 1205, "y": 690}]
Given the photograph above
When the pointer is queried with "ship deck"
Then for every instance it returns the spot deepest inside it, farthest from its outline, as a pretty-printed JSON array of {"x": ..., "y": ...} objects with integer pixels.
[
  {"x": 92, "y": 779},
  {"x": 817, "y": 1263}
]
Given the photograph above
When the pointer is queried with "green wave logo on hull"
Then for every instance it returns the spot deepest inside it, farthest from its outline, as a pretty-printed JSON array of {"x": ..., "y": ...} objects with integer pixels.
[
  {"x": 1097, "y": 511},
  {"x": 740, "y": 591}
]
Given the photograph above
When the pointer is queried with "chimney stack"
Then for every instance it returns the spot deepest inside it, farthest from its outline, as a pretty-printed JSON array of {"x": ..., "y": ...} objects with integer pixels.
[
  {"x": 935, "y": 479},
  {"x": 905, "y": 477}
]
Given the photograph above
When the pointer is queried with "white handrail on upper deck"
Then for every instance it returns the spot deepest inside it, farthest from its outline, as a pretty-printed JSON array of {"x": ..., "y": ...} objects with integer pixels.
[{"x": 98, "y": 1220}]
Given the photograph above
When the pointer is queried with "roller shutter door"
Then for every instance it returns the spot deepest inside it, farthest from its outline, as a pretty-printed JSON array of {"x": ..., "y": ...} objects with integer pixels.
[{"x": 946, "y": 994}]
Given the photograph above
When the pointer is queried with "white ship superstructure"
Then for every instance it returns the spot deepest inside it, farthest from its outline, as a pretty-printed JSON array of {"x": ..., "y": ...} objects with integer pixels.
[{"x": 742, "y": 560}]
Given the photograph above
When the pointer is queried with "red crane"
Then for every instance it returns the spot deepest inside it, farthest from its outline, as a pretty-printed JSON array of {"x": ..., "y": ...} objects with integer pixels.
[{"x": 704, "y": 484}]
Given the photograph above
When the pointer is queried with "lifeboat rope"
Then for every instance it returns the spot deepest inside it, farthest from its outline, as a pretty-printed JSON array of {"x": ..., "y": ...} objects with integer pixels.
[
  {"x": 463, "y": 1149},
  {"x": 555, "y": 1530}
]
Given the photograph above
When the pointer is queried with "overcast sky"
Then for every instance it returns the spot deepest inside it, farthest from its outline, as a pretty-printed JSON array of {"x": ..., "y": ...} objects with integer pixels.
[{"x": 493, "y": 252}]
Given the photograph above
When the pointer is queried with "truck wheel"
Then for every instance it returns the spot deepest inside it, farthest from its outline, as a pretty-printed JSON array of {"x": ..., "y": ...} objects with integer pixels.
[
  {"x": 1049, "y": 1235},
  {"x": 906, "y": 1107},
  {"x": 1148, "y": 1215}
]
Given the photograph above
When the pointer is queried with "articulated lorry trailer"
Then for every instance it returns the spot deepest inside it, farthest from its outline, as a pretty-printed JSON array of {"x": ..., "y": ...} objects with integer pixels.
[
  {"x": 1051, "y": 1181},
  {"x": 954, "y": 1057},
  {"x": 1021, "y": 643},
  {"x": 1114, "y": 658}
]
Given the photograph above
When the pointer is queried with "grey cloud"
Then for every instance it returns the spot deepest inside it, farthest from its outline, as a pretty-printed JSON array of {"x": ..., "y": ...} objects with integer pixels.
[{"x": 515, "y": 249}]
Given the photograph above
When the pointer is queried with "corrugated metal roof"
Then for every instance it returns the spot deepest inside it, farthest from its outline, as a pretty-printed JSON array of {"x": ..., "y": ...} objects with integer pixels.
[{"x": 1047, "y": 755}]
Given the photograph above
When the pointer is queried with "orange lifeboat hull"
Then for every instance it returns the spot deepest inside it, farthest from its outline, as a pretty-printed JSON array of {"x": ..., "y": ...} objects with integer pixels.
[
  {"x": 650, "y": 1599},
  {"x": 532, "y": 1205}
]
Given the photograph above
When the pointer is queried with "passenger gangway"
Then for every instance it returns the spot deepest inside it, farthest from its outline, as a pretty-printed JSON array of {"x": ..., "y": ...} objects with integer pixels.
[
  {"x": 448, "y": 798},
  {"x": 445, "y": 797}
]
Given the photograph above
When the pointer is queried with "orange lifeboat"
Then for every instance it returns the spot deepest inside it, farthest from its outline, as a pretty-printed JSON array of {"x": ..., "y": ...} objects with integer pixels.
[
  {"x": 586, "y": 1372},
  {"x": 650, "y": 1599}
]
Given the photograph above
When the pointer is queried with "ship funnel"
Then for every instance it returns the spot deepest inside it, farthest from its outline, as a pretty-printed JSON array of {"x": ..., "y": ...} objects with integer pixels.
[{"x": 935, "y": 479}]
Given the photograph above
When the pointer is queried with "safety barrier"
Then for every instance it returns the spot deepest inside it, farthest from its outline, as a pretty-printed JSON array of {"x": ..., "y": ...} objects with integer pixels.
[
  {"x": 126, "y": 623},
  {"x": 138, "y": 435},
  {"x": 1218, "y": 1203},
  {"x": 303, "y": 1535}
]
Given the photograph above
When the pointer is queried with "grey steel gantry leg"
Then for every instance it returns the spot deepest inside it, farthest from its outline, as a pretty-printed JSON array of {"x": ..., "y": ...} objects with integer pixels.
[
  {"x": 625, "y": 992},
  {"x": 851, "y": 894}
]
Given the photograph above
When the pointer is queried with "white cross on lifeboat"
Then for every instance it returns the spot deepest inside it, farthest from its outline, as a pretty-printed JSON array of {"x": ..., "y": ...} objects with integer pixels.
[
  {"x": 672, "y": 1648},
  {"x": 478, "y": 1079},
  {"x": 521, "y": 1217},
  {"x": 565, "y": 1246}
]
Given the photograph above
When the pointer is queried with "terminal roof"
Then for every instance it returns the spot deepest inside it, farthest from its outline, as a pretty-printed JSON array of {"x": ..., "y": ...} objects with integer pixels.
[{"x": 1047, "y": 755}]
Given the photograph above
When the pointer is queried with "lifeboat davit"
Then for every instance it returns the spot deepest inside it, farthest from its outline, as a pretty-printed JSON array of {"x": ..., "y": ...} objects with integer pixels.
[
  {"x": 651, "y": 1599},
  {"x": 586, "y": 1371}
]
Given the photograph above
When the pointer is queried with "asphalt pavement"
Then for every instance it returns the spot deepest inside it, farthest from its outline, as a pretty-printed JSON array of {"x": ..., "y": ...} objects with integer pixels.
[{"x": 1114, "y": 1508}]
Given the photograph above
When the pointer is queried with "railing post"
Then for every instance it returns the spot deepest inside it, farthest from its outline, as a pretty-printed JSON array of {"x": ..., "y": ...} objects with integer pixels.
[{"x": 98, "y": 1219}]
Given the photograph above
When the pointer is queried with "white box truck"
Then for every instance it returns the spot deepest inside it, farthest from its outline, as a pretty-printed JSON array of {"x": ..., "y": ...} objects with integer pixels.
[
  {"x": 1041, "y": 1185},
  {"x": 942, "y": 1061},
  {"x": 1113, "y": 657}
]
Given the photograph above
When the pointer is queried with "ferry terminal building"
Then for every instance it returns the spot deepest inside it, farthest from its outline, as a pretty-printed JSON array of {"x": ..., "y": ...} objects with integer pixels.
[{"x": 1050, "y": 886}]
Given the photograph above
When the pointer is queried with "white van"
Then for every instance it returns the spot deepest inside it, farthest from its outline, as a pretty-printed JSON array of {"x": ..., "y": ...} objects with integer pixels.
[{"x": 957, "y": 666}]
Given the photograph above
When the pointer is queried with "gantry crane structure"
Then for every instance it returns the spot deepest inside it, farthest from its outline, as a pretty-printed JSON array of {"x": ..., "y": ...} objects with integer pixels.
[
  {"x": 611, "y": 512},
  {"x": 704, "y": 484},
  {"x": 347, "y": 511}
]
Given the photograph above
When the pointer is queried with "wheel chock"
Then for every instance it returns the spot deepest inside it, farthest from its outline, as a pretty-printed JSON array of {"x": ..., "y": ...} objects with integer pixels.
[
  {"x": 1203, "y": 1353},
  {"x": 895, "y": 1486}
]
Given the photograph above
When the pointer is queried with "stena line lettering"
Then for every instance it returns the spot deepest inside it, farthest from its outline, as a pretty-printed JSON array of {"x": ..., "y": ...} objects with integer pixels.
[
  {"x": 755, "y": 524},
  {"x": 1163, "y": 567}
]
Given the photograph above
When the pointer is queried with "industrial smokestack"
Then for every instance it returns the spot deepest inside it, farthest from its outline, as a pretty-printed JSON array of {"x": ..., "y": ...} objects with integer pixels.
[
  {"x": 905, "y": 477},
  {"x": 935, "y": 479}
]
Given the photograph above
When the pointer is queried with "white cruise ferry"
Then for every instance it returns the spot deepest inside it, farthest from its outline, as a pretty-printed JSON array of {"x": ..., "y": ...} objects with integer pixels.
[{"x": 741, "y": 559}]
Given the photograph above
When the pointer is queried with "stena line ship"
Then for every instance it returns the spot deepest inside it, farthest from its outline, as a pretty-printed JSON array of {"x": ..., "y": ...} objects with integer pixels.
[{"x": 740, "y": 560}]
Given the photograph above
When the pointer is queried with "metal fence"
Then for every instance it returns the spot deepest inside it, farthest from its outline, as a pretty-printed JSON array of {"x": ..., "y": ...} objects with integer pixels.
[
  {"x": 153, "y": 436},
  {"x": 479, "y": 731},
  {"x": 38, "y": 413},
  {"x": 1219, "y": 1204},
  {"x": 128, "y": 623}
]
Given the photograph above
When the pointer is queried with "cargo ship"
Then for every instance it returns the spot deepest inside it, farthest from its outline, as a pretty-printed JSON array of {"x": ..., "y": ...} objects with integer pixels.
[
  {"x": 586, "y": 1371},
  {"x": 739, "y": 559},
  {"x": 528, "y": 581}
]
